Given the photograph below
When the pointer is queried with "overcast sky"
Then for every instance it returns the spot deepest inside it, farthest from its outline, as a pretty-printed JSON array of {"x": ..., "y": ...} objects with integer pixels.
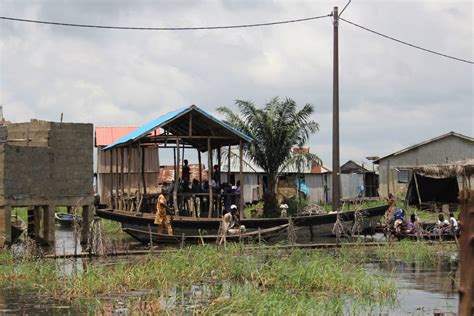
[{"x": 391, "y": 96}]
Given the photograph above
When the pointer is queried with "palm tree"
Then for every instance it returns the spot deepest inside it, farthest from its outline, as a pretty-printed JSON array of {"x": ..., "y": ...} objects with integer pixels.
[{"x": 275, "y": 128}]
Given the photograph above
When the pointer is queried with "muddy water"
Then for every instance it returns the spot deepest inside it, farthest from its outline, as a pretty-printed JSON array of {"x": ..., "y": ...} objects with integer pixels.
[{"x": 422, "y": 290}]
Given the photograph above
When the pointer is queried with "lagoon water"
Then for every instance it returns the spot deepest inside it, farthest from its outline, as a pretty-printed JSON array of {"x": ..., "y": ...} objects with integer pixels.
[{"x": 422, "y": 290}]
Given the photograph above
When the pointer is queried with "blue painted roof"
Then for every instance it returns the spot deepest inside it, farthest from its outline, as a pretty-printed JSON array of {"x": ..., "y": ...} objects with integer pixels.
[{"x": 163, "y": 120}]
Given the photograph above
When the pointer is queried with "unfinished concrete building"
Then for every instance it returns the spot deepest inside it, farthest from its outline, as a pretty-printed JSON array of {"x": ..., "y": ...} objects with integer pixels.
[{"x": 44, "y": 165}]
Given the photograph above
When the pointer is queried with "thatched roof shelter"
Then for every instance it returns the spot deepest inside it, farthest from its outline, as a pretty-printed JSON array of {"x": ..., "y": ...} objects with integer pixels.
[{"x": 452, "y": 169}]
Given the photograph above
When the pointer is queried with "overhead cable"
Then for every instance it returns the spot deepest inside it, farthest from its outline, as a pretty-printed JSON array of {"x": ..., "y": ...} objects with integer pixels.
[
  {"x": 344, "y": 8},
  {"x": 406, "y": 43},
  {"x": 237, "y": 26}
]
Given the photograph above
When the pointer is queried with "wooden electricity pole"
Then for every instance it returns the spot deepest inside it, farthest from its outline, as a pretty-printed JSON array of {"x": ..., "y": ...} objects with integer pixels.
[{"x": 336, "y": 180}]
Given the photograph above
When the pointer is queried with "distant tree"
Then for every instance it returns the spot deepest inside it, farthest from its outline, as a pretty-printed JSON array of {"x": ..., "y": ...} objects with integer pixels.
[{"x": 276, "y": 128}]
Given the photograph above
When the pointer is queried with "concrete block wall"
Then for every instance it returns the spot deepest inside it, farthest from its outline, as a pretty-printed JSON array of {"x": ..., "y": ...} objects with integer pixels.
[
  {"x": 55, "y": 163},
  {"x": 73, "y": 158},
  {"x": 46, "y": 164},
  {"x": 26, "y": 171}
]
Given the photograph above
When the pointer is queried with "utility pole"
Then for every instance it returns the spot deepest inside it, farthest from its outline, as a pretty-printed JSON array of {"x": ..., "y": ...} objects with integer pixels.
[{"x": 336, "y": 168}]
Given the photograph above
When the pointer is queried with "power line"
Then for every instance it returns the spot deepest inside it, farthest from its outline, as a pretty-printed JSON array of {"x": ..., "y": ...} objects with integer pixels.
[
  {"x": 166, "y": 28},
  {"x": 344, "y": 8},
  {"x": 408, "y": 44}
]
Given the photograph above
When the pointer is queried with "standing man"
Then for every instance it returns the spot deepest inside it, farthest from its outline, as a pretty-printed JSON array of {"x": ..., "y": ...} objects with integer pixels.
[
  {"x": 185, "y": 173},
  {"x": 163, "y": 215}
]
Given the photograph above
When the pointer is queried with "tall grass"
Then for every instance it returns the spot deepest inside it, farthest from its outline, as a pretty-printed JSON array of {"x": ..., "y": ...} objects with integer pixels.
[{"x": 269, "y": 281}]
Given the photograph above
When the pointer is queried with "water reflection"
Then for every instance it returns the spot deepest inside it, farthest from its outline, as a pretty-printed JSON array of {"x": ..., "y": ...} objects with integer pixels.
[{"x": 422, "y": 289}]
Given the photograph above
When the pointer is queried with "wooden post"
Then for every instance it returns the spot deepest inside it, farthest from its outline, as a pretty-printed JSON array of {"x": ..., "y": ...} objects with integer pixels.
[
  {"x": 388, "y": 177},
  {"x": 219, "y": 164},
  {"x": 87, "y": 215},
  {"x": 158, "y": 162},
  {"x": 218, "y": 177},
  {"x": 228, "y": 163},
  {"x": 209, "y": 174},
  {"x": 38, "y": 220},
  {"x": 336, "y": 167},
  {"x": 139, "y": 182},
  {"x": 117, "y": 179},
  {"x": 241, "y": 176},
  {"x": 122, "y": 178},
  {"x": 200, "y": 168},
  {"x": 111, "y": 171},
  {"x": 129, "y": 182},
  {"x": 176, "y": 179},
  {"x": 5, "y": 225},
  {"x": 466, "y": 241},
  {"x": 31, "y": 222},
  {"x": 417, "y": 189},
  {"x": 143, "y": 170},
  {"x": 48, "y": 224}
]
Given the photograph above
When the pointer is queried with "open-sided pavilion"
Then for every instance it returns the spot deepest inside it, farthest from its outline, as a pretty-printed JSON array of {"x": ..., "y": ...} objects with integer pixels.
[{"x": 186, "y": 128}]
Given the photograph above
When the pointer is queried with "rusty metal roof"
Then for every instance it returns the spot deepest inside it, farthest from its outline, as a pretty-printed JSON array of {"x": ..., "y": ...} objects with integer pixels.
[{"x": 167, "y": 173}]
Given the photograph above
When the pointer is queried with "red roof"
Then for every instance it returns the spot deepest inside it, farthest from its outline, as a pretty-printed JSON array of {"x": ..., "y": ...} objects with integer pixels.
[{"x": 107, "y": 135}]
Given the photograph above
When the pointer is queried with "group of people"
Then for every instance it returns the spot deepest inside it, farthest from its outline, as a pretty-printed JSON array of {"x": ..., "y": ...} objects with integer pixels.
[
  {"x": 163, "y": 219},
  {"x": 397, "y": 220},
  {"x": 192, "y": 198},
  {"x": 226, "y": 194}
]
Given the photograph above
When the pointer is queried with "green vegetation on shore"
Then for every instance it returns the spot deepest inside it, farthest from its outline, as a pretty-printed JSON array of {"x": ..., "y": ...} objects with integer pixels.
[{"x": 264, "y": 281}]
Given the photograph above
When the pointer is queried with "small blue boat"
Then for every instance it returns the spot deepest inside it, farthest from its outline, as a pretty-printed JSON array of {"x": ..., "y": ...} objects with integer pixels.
[{"x": 67, "y": 220}]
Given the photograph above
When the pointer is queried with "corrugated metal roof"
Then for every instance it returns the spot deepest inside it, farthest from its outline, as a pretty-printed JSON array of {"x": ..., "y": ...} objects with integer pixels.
[
  {"x": 424, "y": 143},
  {"x": 162, "y": 121},
  {"x": 107, "y": 135}
]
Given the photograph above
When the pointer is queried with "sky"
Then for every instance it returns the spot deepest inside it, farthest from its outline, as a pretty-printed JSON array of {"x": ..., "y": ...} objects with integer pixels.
[{"x": 391, "y": 96}]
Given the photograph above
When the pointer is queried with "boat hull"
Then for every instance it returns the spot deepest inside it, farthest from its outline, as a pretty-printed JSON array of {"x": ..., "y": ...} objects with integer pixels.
[
  {"x": 143, "y": 236},
  {"x": 306, "y": 227}
]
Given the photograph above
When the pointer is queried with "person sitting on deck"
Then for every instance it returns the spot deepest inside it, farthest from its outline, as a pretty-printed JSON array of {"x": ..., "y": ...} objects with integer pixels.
[
  {"x": 454, "y": 223},
  {"x": 398, "y": 220},
  {"x": 284, "y": 210},
  {"x": 442, "y": 225},
  {"x": 411, "y": 229},
  {"x": 163, "y": 215},
  {"x": 231, "y": 221}
]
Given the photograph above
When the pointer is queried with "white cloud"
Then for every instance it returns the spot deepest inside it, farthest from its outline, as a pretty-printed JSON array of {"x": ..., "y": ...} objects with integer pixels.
[{"x": 391, "y": 96}]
